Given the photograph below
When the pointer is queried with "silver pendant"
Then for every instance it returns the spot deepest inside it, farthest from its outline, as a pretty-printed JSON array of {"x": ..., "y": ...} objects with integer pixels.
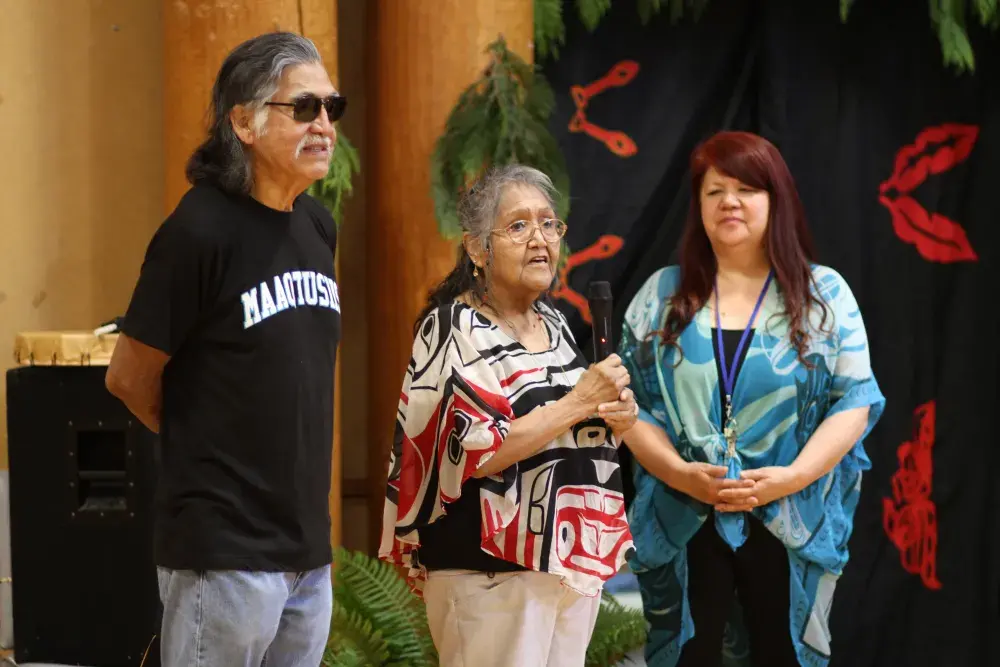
[{"x": 729, "y": 431}]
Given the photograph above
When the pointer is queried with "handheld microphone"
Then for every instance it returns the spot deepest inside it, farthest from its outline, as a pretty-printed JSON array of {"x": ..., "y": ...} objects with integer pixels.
[{"x": 599, "y": 300}]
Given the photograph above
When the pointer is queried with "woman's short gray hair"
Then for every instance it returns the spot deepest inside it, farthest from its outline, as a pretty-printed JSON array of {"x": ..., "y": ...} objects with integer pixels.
[
  {"x": 480, "y": 206},
  {"x": 249, "y": 76},
  {"x": 477, "y": 211}
]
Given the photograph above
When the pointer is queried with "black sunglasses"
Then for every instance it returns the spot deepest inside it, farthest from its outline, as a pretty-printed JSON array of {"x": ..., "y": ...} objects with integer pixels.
[{"x": 306, "y": 108}]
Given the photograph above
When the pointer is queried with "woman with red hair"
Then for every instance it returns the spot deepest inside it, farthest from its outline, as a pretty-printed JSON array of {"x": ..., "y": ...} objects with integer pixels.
[{"x": 751, "y": 368}]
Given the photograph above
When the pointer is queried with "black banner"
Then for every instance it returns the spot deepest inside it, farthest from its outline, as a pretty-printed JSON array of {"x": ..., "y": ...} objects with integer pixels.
[{"x": 897, "y": 160}]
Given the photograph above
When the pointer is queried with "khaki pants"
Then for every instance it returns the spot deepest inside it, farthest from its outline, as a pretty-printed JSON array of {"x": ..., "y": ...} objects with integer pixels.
[{"x": 510, "y": 619}]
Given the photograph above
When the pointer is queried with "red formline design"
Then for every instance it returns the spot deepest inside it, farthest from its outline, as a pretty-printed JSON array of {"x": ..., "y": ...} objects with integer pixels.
[
  {"x": 617, "y": 142},
  {"x": 606, "y": 246},
  {"x": 935, "y": 150},
  {"x": 910, "y": 517}
]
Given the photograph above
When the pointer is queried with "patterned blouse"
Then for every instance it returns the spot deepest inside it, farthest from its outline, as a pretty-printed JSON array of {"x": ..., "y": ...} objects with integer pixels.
[{"x": 559, "y": 511}]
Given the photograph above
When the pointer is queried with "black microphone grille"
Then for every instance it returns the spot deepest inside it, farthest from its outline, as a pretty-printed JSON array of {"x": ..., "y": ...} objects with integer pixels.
[{"x": 599, "y": 289}]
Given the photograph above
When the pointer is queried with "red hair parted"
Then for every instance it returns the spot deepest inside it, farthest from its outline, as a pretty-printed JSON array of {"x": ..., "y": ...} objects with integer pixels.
[{"x": 756, "y": 162}]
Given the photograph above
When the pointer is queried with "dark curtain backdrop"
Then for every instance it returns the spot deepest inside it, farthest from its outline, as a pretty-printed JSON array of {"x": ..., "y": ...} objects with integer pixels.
[{"x": 898, "y": 162}]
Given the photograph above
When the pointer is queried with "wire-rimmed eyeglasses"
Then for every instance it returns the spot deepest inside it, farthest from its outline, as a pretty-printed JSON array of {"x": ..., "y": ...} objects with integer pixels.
[{"x": 521, "y": 231}]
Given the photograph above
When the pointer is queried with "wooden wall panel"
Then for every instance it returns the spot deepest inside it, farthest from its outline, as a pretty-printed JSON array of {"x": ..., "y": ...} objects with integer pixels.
[
  {"x": 319, "y": 23},
  {"x": 353, "y": 78}
]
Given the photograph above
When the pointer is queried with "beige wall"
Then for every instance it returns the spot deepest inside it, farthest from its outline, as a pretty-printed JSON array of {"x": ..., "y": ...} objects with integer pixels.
[{"x": 81, "y": 174}]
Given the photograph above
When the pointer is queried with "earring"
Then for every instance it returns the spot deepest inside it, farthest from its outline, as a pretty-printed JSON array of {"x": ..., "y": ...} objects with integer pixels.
[{"x": 475, "y": 272}]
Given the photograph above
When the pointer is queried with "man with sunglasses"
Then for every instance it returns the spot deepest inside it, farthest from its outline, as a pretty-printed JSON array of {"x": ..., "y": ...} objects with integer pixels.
[{"x": 227, "y": 350}]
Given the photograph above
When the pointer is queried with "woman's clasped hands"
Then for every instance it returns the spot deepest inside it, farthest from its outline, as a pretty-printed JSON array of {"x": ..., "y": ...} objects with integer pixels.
[
  {"x": 709, "y": 484},
  {"x": 605, "y": 387}
]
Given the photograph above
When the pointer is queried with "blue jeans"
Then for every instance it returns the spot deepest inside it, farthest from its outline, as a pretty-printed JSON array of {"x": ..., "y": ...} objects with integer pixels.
[{"x": 244, "y": 619}]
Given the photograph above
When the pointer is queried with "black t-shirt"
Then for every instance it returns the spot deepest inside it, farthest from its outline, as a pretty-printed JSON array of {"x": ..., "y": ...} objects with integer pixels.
[{"x": 244, "y": 300}]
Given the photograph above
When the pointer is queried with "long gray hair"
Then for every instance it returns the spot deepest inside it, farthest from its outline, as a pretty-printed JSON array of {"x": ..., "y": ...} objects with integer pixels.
[
  {"x": 477, "y": 210},
  {"x": 250, "y": 76}
]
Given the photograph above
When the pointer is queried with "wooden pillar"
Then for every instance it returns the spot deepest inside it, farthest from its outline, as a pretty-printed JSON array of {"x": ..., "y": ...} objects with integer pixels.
[
  {"x": 424, "y": 55},
  {"x": 198, "y": 36}
]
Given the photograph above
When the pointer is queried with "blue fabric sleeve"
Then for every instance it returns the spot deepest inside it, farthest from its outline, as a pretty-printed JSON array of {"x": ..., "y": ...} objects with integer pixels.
[{"x": 854, "y": 383}]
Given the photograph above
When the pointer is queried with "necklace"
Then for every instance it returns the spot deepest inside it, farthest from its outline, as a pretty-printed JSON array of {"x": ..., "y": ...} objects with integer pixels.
[
  {"x": 729, "y": 370},
  {"x": 514, "y": 333}
]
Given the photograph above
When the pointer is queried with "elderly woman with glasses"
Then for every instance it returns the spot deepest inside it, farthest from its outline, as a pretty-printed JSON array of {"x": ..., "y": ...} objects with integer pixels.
[{"x": 504, "y": 494}]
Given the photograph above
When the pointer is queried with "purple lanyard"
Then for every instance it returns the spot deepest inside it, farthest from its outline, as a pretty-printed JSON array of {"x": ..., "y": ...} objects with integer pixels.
[{"x": 729, "y": 371}]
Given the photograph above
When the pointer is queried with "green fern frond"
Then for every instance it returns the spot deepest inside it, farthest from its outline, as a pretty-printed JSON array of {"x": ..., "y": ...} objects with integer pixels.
[
  {"x": 989, "y": 13},
  {"x": 647, "y": 8},
  {"x": 353, "y": 640},
  {"x": 948, "y": 17},
  {"x": 374, "y": 592},
  {"x": 550, "y": 30},
  {"x": 564, "y": 252},
  {"x": 332, "y": 190},
  {"x": 678, "y": 9},
  {"x": 345, "y": 656},
  {"x": 955, "y": 46},
  {"x": 845, "y": 9},
  {"x": 618, "y": 631},
  {"x": 592, "y": 11},
  {"x": 500, "y": 119}
]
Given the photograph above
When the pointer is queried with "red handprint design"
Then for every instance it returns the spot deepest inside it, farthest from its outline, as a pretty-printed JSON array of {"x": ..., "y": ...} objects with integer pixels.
[
  {"x": 910, "y": 517},
  {"x": 935, "y": 150},
  {"x": 617, "y": 142},
  {"x": 604, "y": 247}
]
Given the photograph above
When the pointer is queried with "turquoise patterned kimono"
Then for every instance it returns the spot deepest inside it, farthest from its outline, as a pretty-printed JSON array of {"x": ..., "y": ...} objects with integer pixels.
[{"x": 778, "y": 403}]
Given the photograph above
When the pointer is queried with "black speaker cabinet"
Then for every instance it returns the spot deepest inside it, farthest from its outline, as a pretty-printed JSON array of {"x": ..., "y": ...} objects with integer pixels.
[{"x": 81, "y": 495}]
